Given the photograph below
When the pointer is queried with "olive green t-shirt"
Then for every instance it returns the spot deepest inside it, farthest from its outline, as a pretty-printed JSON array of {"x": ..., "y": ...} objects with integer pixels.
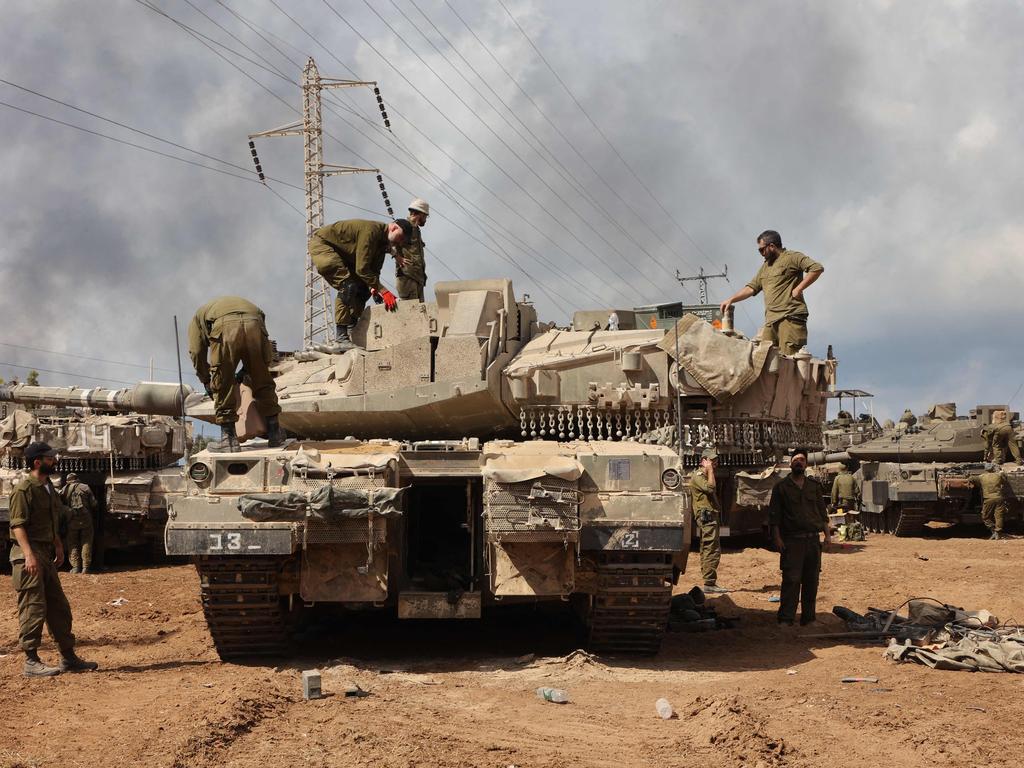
[
  {"x": 797, "y": 510},
  {"x": 844, "y": 487},
  {"x": 701, "y": 492},
  {"x": 991, "y": 484},
  {"x": 36, "y": 507},
  {"x": 778, "y": 280}
]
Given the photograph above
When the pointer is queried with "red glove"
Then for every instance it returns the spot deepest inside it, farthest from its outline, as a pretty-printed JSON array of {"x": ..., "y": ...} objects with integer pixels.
[{"x": 390, "y": 302}]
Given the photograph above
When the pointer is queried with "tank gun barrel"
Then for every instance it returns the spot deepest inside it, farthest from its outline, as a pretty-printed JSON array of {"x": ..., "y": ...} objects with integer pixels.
[
  {"x": 820, "y": 457},
  {"x": 151, "y": 397}
]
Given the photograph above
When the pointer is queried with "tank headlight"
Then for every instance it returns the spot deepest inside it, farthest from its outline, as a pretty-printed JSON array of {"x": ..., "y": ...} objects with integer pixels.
[
  {"x": 199, "y": 472},
  {"x": 671, "y": 479}
]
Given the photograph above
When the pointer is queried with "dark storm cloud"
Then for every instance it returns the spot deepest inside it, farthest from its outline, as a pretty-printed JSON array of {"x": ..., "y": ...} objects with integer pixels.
[{"x": 879, "y": 137}]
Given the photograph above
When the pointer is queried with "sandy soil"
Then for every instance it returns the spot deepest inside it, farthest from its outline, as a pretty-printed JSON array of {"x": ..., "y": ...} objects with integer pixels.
[{"x": 454, "y": 695}]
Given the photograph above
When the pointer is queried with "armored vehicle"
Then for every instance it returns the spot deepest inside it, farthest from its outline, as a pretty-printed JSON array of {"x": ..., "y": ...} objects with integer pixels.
[
  {"x": 919, "y": 474},
  {"x": 127, "y": 459},
  {"x": 469, "y": 456}
]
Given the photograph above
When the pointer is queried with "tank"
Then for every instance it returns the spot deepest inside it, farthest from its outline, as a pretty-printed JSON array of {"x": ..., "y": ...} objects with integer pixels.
[
  {"x": 913, "y": 475},
  {"x": 470, "y": 457},
  {"x": 128, "y": 459}
]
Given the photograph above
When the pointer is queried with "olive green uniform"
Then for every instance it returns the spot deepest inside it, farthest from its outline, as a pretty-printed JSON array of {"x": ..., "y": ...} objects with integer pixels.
[
  {"x": 349, "y": 255},
  {"x": 707, "y": 517},
  {"x": 799, "y": 514},
  {"x": 234, "y": 331},
  {"x": 785, "y": 318},
  {"x": 412, "y": 276},
  {"x": 845, "y": 491},
  {"x": 993, "y": 498},
  {"x": 82, "y": 504},
  {"x": 36, "y": 507},
  {"x": 1001, "y": 444},
  {"x": 908, "y": 418}
]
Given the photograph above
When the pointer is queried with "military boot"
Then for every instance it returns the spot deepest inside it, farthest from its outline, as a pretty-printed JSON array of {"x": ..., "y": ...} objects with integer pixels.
[
  {"x": 75, "y": 569},
  {"x": 230, "y": 441},
  {"x": 69, "y": 662},
  {"x": 34, "y": 667},
  {"x": 342, "y": 343},
  {"x": 275, "y": 435}
]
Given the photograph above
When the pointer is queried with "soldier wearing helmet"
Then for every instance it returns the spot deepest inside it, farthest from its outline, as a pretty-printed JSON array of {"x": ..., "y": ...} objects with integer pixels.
[{"x": 410, "y": 263}]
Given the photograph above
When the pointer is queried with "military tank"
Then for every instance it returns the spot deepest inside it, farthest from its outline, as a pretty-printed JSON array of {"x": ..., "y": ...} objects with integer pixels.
[
  {"x": 128, "y": 459},
  {"x": 913, "y": 475}
]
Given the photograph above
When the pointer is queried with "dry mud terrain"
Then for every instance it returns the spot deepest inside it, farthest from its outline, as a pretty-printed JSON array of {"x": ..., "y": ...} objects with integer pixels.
[{"x": 454, "y": 694}]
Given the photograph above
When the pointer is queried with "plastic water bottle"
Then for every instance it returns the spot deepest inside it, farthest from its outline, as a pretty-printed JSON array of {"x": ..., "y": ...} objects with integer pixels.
[
  {"x": 664, "y": 709},
  {"x": 557, "y": 695}
]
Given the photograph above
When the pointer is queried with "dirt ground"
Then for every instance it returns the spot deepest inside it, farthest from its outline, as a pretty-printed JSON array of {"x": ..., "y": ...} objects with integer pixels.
[{"x": 455, "y": 695}]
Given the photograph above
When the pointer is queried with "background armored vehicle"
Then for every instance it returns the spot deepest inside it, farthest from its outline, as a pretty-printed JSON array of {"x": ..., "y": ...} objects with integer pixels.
[
  {"x": 127, "y": 459},
  {"x": 470, "y": 456},
  {"x": 914, "y": 475}
]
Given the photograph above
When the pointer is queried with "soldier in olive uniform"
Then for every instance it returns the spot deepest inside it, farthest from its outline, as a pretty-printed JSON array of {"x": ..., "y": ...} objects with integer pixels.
[
  {"x": 846, "y": 491},
  {"x": 82, "y": 505},
  {"x": 908, "y": 418},
  {"x": 36, "y": 554},
  {"x": 234, "y": 331},
  {"x": 349, "y": 255},
  {"x": 783, "y": 277},
  {"x": 410, "y": 263},
  {"x": 994, "y": 490},
  {"x": 1000, "y": 440},
  {"x": 797, "y": 516},
  {"x": 707, "y": 516}
]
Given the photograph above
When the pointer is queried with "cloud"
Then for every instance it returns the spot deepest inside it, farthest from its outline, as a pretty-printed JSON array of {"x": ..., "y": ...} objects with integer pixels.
[{"x": 875, "y": 136}]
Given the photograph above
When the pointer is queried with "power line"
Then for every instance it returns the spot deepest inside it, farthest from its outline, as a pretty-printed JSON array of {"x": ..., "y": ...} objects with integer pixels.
[
  {"x": 85, "y": 357},
  {"x": 602, "y": 134},
  {"x": 66, "y": 373}
]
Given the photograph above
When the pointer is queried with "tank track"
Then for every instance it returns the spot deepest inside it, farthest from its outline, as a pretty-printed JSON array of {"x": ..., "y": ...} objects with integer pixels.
[
  {"x": 242, "y": 605},
  {"x": 630, "y": 610},
  {"x": 909, "y": 521}
]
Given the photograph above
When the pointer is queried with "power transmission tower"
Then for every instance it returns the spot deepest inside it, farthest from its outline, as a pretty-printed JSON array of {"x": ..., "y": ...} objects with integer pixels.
[
  {"x": 703, "y": 280},
  {"x": 318, "y": 314}
]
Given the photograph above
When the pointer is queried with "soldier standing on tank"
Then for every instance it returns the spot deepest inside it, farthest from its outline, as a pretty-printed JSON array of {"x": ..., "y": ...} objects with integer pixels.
[
  {"x": 783, "y": 277},
  {"x": 233, "y": 330},
  {"x": 36, "y": 555},
  {"x": 707, "y": 515},
  {"x": 994, "y": 490},
  {"x": 80, "y": 500},
  {"x": 349, "y": 255},
  {"x": 845, "y": 491},
  {"x": 908, "y": 419},
  {"x": 797, "y": 516},
  {"x": 410, "y": 263},
  {"x": 1000, "y": 440}
]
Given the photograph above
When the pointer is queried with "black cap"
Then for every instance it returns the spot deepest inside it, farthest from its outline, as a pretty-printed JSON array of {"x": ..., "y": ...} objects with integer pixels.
[
  {"x": 797, "y": 452},
  {"x": 37, "y": 451},
  {"x": 406, "y": 226}
]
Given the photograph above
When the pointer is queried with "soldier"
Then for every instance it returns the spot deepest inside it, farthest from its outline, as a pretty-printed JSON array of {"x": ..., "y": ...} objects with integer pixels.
[
  {"x": 1000, "y": 440},
  {"x": 796, "y": 514},
  {"x": 79, "y": 499},
  {"x": 707, "y": 516},
  {"x": 349, "y": 256},
  {"x": 783, "y": 277},
  {"x": 410, "y": 263},
  {"x": 908, "y": 419},
  {"x": 234, "y": 331},
  {"x": 845, "y": 491},
  {"x": 993, "y": 486},
  {"x": 36, "y": 555}
]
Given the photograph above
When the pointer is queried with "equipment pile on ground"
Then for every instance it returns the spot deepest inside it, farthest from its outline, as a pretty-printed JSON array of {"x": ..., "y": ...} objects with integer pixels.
[
  {"x": 939, "y": 635},
  {"x": 691, "y": 613}
]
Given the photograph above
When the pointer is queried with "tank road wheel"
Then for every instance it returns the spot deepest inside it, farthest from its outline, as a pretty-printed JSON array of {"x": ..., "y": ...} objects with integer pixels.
[
  {"x": 242, "y": 605},
  {"x": 910, "y": 521},
  {"x": 629, "y": 613}
]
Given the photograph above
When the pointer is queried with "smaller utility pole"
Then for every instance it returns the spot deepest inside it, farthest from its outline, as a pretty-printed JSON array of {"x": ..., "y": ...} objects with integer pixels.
[{"x": 702, "y": 278}]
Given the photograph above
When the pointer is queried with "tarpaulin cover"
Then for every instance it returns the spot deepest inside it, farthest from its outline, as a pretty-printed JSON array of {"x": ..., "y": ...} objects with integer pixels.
[
  {"x": 311, "y": 458},
  {"x": 977, "y": 652},
  {"x": 723, "y": 365},
  {"x": 16, "y": 430},
  {"x": 325, "y": 503},
  {"x": 754, "y": 489},
  {"x": 520, "y": 468}
]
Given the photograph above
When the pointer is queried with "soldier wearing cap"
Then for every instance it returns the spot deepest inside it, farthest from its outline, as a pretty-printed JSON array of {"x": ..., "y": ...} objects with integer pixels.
[
  {"x": 349, "y": 255},
  {"x": 994, "y": 491},
  {"x": 410, "y": 263},
  {"x": 797, "y": 516},
  {"x": 707, "y": 516},
  {"x": 80, "y": 500},
  {"x": 36, "y": 555}
]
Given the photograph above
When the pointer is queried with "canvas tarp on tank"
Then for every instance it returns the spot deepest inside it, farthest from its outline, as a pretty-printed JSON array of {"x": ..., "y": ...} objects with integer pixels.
[
  {"x": 723, "y": 365},
  {"x": 518, "y": 468},
  {"x": 16, "y": 430},
  {"x": 754, "y": 489},
  {"x": 325, "y": 503},
  {"x": 311, "y": 459},
  {"x": 120, "y": 435}
]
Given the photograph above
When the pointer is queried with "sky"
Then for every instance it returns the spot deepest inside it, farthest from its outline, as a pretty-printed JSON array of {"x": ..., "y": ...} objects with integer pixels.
[{"x": 587, "y": 150}]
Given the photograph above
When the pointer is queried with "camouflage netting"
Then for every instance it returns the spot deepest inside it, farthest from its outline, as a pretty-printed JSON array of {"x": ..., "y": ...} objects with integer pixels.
[{"x": 325, "y": 503}]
